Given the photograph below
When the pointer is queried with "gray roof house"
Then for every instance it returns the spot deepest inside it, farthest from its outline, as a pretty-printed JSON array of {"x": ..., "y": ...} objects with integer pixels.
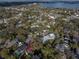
[{"x": 35, "y": 57}]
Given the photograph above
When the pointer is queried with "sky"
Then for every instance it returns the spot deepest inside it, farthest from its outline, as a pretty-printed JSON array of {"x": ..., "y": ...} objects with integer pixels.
[{"x": 35, "y": 0}]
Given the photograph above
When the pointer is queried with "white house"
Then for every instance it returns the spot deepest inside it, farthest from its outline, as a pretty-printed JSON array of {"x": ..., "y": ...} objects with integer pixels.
[{"x": 48, "y": 37}]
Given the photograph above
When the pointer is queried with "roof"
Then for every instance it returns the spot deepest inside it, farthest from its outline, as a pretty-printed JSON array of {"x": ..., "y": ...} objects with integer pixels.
[
  {"x": 10, "y": 43},
  {"x": 35, "y": 57},
  {"x": 60, "y": 47},
  {"x": 21, "y": 49},
  {"x": 48, "y": 37}
]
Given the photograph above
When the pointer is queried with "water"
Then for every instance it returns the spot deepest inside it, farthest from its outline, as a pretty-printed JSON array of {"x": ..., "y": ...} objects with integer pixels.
[
  {"x": 61, "y": 5},
  {"x": 53, "y": 4}
]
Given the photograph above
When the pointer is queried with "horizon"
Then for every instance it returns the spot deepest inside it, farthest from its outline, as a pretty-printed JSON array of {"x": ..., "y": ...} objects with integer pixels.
[{"x": 35, "y": 0}]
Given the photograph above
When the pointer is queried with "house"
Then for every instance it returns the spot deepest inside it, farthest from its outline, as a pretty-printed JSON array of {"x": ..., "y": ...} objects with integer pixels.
[
  {"x": 77, "y": 54},
  {"x": 51, "y": 17},
  {"x": 35, "y": 57},
  {"x": 5, "y": 21},
  {"x": 60, "y": 47},
  {"x": 66, "y": 46},
  {"x": 20, "y": 51},
  {"x": 66, "y": 40},
  {"x": 23, "y": 56},
  {"x": 29, "y": 48},
  {"x": 24, "y": 48},
  {"x": 72, "y": 17},
  {"x": 45, "y": 32},
  {"x": 1, "y": 21},
  {"x": 37, "y": 54},
  {"x": 29, "y": 39},
  {"x": 54, "y": 16},
  {"x": 76, "y": 38},
  {"x": 10, "y": 43},
  {"x": 47, "y": 37},
  {"x": 19, "y": 44},
  {"x": 76, "y": 14},
  {"x": 2, "y": 44},
  {"x": 0, "y": 41}
]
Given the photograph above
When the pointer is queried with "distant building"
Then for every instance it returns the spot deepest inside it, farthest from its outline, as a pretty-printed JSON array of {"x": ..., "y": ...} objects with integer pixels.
[
  {"x": 9, "y": 43},
  {"x": 2, "y": 42},
  {"x": 60, "y": 47},
  {"x": 35, "y": 57},
  {"x": 49, "y": 36},
  {"x": 1, "y": 21},
  {"x": 20, "y": 51}
]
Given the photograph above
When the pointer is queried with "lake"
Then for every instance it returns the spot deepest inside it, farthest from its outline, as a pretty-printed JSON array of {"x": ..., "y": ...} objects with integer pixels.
[
  {"x": 54, "y": 4},
  {"x": 61, "y": 5}
]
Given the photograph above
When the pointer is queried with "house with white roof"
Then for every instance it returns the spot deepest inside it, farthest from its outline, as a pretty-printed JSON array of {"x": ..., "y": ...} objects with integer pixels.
[{"x": 50, "y": 36}]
